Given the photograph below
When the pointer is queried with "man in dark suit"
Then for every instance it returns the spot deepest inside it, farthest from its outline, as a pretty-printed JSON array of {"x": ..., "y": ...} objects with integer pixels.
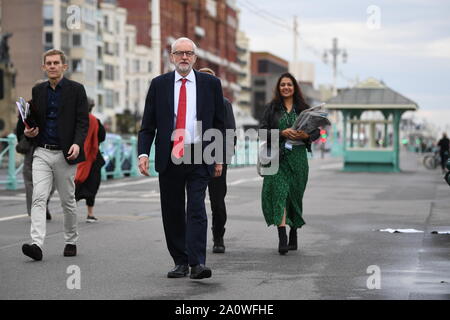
[
  {"x": 177, "y": 104},
  {"x": 61, "y": 114},
  {"x": 217, "y": 187}
]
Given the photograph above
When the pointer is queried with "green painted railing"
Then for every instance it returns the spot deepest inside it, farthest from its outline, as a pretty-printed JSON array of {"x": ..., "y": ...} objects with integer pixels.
[
  {"x": 120, "y": 156},
  {"x": 9, "y": 154}
]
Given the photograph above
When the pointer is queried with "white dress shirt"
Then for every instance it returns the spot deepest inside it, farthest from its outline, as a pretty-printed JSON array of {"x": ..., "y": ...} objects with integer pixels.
[{"x": 192, "y": 134}]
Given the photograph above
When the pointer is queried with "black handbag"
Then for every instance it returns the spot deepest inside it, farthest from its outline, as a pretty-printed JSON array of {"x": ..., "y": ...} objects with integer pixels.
[{"x": 24, "y": 146}]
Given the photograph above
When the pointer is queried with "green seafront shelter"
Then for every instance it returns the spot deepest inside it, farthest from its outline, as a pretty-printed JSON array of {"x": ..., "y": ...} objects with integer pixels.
[{"x": 371, "y": 122}]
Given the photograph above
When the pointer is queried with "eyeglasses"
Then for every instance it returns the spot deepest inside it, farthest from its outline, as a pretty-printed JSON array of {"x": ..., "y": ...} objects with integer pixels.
[{"x": 182, "y": 53}]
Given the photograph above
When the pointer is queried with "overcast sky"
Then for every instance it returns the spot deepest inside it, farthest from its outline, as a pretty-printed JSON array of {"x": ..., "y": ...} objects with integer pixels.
[{"x": 410, "y": 51}]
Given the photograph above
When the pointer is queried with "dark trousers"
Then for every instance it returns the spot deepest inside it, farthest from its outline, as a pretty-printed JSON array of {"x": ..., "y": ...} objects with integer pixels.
[
  {"x": 185, "y": 227},
  {"x": 444, "y": 159},
  {"x": 217, "y": 188}
]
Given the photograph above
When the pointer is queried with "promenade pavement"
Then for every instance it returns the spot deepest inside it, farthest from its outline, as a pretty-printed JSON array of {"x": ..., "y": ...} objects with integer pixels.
[{"x": 124, "y": 255}]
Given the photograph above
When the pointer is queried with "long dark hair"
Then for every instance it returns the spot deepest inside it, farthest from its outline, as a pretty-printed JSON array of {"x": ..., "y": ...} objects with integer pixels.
[{"x": 299, "y": 102}]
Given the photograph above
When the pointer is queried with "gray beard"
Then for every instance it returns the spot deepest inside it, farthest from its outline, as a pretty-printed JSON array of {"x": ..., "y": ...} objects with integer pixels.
[{"x": 181, "y": 69}]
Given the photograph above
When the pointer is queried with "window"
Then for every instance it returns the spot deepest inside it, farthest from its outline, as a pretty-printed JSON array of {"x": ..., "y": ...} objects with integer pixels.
[
  {"x": 77, "y": 65},
  {"x": 117, "y": 73},
  {"x": 76, "y": 40},
  {"x": 262, "y": 66},
  {"x": 48, "y": 15},
  {"x": 137, "y": 65},
  {"x": 117, "y": 26},
  {"x": 109, "y": 72},
  {"x": 106, "y": 23},
  {"x": 260, "y": 82},
  {"x": 49, "y": 38},
  {"x": 109, "y": 97}
]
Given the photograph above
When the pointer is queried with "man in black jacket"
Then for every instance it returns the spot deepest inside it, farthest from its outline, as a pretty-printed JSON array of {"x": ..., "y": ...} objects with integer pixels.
[
  {"x": 218, "y": 186},
  {"x": 61, "y": 114}
]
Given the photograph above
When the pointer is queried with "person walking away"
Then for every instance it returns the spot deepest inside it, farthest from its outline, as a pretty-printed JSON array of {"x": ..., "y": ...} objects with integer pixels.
[
  {"x": 88, "y": 175},
  {"x": 444, "y": 148}
]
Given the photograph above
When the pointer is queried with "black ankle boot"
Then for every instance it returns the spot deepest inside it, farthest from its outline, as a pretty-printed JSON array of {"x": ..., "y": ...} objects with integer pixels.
[
  {"x": 219, "y": 246},
  {"x": 293, "y": 239},
  {"x": 282, "y": 245}
]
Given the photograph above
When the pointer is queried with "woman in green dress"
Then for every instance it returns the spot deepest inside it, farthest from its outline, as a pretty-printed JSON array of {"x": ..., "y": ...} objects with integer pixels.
[{"x": 282, "y": 193}]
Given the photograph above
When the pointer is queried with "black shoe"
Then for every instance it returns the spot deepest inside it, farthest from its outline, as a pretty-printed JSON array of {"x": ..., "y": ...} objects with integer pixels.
[
  {"x": 180, "y": 271},
  {"x": 219, "y": 246},
  {"x": 282, "y": 245},
  {"x": 91, "y": 219},
  {"x": 48, "y": 216},
  {"x": 33, "y": 251},
  {"x": 70, "y": 250},
  {"x": 293, "y": 239},
  {"x": 199, "y": 271}
]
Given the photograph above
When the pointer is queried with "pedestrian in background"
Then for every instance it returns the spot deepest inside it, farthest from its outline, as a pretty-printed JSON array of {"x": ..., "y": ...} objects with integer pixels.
[
  {"x": 61, "y": 114},
  {"x": 25, "y": 147},
  {"x": 217, "y": 187},
  {"x": 282, "y": 193},
  {"x": 88, "y": 176},
  {"x": 444, "y": 146}
]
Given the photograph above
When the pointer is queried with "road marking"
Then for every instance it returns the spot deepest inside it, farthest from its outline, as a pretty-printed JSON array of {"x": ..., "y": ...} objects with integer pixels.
[
  {"x": 14, "y": 217},
  {"x": 243, "y": 181}
]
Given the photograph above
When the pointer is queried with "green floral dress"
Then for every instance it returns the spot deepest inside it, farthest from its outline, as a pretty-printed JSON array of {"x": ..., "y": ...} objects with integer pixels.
[{"x": 285, "y": 189}]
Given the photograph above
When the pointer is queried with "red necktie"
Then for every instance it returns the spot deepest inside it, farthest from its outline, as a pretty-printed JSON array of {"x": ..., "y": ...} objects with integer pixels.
[{"x": 178, "y": 143}]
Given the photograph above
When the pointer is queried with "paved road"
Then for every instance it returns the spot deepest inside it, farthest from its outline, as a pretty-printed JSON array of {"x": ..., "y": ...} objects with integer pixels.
[{"x": 124, "y": 256}]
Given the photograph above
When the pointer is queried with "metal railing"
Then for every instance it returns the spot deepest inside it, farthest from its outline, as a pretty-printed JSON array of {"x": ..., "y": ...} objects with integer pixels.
[
  {"x": 9, "y": 154},
  {"x": 121, "y": 158}
]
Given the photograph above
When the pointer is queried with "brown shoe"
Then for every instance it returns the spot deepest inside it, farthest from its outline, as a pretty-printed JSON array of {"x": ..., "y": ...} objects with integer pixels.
[{"x": 70, "y": 250}]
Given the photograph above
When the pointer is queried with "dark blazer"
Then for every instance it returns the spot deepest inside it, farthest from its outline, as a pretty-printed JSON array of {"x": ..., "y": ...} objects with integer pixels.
[
  {"x": 271, "y": 120},
  {"x": 158, "y": 118},
  {"x": 73, "y": 119}
]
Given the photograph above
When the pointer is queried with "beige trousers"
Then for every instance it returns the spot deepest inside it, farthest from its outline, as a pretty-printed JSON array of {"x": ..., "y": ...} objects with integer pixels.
[{"x": 49, "y": 166}]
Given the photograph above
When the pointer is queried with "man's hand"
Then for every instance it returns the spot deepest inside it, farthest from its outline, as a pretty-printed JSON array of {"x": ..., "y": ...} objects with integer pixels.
[
  {"x": 74, "y": 151},
  {"x": 218, "y": 170},
  {"x": 31, "y": 133},
  {"x": 144, "y": 165}
]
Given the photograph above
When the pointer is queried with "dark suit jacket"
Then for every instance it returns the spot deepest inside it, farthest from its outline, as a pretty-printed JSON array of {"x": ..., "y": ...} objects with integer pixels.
[
  {"x": 158, "y": 118},
  {"x": 73, "y": 119}
]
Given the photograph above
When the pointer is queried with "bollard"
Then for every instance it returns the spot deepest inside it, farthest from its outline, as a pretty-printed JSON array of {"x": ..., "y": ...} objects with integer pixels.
[{"x": 12, "y": 180}]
